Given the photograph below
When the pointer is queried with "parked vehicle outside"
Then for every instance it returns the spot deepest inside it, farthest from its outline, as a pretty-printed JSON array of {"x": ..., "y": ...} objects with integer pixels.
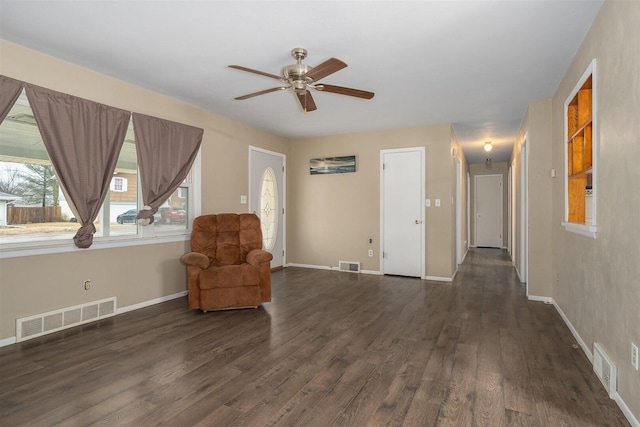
[
  {"x": 169, "y": 215},
  {"x": 129, "y": 217}
]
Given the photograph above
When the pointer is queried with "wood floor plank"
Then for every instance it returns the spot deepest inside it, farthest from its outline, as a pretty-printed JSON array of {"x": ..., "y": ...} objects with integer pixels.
[{"x": 331, "y": 348}]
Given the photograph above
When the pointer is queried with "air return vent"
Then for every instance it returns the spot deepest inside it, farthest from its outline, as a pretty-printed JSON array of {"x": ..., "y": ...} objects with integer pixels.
[
  {"x": 53, "y": 321},
  {"x": 605, "y": 369},
  {"x": 349, "y": 266}
]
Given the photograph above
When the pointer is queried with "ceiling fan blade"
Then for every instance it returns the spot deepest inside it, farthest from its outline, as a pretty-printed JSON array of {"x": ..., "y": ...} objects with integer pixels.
[
  {"x": 262, "y": 92},
  {"x": 329, "y": 66},
  {"x": 307, "y": 102},
  {"x": 251, "y": 70},
  {"x": 346, "y": 91}
]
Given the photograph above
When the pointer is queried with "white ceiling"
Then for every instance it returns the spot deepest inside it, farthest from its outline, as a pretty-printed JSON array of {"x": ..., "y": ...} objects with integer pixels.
[{"x": 475, "y": 64}]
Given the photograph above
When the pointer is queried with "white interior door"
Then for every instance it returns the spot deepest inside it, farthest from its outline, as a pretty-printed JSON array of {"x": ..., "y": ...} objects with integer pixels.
[
  {"x": 402, "y": 222},
  {"x": 267, "y": 199},
  {"x": 488, "y": 197}
]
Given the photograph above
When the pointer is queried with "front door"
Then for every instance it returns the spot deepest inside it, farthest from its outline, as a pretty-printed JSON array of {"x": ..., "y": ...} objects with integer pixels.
[
  {"x": 267, "y": 199},
  {"x": 402, "y": 195}
]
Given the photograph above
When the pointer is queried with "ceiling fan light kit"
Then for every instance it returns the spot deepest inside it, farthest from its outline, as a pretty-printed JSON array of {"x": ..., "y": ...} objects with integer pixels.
[{"x": 302, "y": 78}]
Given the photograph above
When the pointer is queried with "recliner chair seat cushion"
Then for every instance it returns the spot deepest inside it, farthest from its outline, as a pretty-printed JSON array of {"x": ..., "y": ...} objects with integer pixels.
[{"x": 229, "y": 276}]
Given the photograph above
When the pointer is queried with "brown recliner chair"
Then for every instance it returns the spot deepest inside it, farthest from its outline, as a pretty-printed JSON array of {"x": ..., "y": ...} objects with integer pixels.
[{"x": 227, "y": 267}]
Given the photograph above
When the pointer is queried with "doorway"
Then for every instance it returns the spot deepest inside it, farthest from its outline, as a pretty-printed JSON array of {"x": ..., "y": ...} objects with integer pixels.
[
  {"x": 458, "y": 207},
  {"x": 402, "y": 176},
  {"x": 524, "y": 216},
  {"x": 267, "y": 199},
  {"x": 488, "y": 210}
]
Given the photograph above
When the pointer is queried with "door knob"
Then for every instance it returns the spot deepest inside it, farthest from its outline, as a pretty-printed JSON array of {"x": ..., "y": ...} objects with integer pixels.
[{"x": 418, "y": 221}]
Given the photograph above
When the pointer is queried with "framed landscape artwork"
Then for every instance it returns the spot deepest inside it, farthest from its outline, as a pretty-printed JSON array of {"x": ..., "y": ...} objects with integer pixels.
[{"x": 328, "y": 165}]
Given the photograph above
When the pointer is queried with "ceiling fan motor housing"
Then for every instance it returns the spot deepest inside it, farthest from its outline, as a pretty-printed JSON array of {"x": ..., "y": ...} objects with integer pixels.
[{"x": 295, "y": 75}]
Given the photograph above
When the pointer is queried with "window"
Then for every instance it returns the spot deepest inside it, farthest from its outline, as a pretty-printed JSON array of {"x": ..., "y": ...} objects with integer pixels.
[
  {"x": 35, "y": 208},
  {"x": 268, "y": 209},
  {"x": 119, "y": 184},
  {"x": 581, "y": 156}
]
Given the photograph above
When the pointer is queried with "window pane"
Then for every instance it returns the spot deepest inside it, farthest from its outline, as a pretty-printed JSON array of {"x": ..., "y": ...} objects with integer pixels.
[
  {"x": 32, "y": 204},
  {"x": 268, "y": 209},
  {"x": 173, "y": 214},
  {"x": 122, "y": 202}
]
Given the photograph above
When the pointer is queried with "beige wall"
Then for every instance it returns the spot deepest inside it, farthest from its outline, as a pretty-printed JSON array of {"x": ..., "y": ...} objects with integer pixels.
[
  {"x": 536, "y": 131},
  {"x": 598, "y": 287},
  {"x": 36, "y": 284},
  {"x": 499, "y": 168},
  {"x": 332, "y": 217}
]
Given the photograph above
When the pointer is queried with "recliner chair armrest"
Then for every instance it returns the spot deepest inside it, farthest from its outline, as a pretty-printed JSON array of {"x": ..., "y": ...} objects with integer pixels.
[
  {"x": 196, "y": 259},
  {"x": 258, "y": 256}
]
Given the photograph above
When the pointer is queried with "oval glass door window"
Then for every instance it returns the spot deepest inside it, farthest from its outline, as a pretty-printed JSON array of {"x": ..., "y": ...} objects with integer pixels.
[{"x": 268, "y": 209}]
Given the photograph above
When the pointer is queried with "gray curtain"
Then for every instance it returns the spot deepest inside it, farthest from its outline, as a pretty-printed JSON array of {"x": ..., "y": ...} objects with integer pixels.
[
  {"x": 83, "y": 139},
  {"x": 166, "y": 151},
  {"x": 9, "y": 92}
]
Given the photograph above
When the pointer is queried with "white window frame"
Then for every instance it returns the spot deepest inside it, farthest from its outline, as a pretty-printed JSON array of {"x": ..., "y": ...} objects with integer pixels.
[
  {"x": 589, "y": 230},
  {"x": 146, "y": 235},
  {"x": 118, "y": 181}
]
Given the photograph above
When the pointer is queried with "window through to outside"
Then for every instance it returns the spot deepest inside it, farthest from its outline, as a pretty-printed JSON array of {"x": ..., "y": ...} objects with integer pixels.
[
  {"x": 268, "y": 209},
  {"x": 33, "y": 204}
]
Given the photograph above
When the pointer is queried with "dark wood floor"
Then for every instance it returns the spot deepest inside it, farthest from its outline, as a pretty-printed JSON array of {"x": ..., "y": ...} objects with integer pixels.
[{"x": 331, "y": 349}]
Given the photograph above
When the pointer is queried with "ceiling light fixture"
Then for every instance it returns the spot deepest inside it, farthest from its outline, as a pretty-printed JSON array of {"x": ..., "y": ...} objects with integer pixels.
[{"x": 487, "y": 146}]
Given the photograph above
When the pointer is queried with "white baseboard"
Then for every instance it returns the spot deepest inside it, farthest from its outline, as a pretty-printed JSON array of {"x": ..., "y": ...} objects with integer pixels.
[
  {"x": 316, "y": 267},
  {"x": 626, "y": 411},
  {"x": 616, "y": 397},
  {"x": 8, "y": 341},
  {"x": 574, "y": 332},
  {"x": 438, "y": 278},
  {"x": 150, "y": 302},
  {"x": 545, "y": 300},
  {"x": 328, "y": 267},
  {"x": 377, "y": 273},
  {"x": 13, "y": 340}
]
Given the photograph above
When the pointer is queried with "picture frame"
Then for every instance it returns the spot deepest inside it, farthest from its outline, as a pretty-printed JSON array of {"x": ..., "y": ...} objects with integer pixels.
[{"x": 332, "y": 165}]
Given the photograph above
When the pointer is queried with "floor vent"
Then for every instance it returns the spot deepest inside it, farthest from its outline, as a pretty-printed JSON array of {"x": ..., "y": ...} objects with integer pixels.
[
  {"x": 350, "y": 266},
  {"x": 605, "y": 369},
  {"x": 57, "y": 320}
]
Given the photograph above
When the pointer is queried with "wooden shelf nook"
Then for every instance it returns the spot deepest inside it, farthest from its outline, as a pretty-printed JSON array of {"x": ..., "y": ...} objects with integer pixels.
[{"x": 580, "y": 155}]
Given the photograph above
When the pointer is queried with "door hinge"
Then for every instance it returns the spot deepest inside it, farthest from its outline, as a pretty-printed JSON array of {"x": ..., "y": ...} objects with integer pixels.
[
  {"x": 283, "y": 169},
  {"x": 383, "y": 166},
  {"x": 384, "y": 254},
  {"x": 282, "y": 253},
  {"x": 282, "y": 211}
]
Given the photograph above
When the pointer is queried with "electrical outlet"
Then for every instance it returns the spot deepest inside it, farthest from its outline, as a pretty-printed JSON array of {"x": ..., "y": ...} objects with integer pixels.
[
  {"x": 370, "y": 252},
  {"x": 87, "y": 285},
  {"x": 634, "y": 356}
]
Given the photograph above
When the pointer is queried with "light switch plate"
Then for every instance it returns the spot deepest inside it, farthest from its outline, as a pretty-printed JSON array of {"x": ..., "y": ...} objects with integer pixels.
[
  {"x": 243, "y": 200},
  {"x": 437, "y": 203},
  {"x": 427, "y": 203}
]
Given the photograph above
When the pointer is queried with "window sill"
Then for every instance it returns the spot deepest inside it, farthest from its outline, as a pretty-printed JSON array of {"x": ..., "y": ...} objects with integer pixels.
[
  {"x": 53, "y": 246},
  {"x": 582, "y": 229}
]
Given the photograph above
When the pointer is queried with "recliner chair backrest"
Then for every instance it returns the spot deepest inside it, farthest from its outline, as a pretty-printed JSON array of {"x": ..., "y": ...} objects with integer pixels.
[{"x": 226, "y": 238}]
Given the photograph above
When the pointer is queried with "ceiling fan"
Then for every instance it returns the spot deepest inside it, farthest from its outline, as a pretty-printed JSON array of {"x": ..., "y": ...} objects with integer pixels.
[{"x": 302, "y": 78}]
